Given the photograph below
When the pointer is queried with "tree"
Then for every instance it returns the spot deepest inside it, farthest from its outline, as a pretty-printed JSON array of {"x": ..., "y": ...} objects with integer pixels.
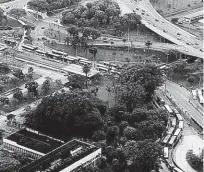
[
  {"x": 45, "y": 87},
  {"x": 138, "y": 83},
  {"x": 17, "y": 13},
  {"x": 18, "y": 95},
  {"x": 148, "y": 44},
  {"x": 86, "y": 69},
  {"x": 38, "y": 5},
  {"x": 4, "y": 68},
  {"x": 76, "y": 82},
  {"x": 112, "y": 134},
  {"x": 191, "y": 79},
  {"x": 174, "y": 20},
  {"x": 6, "y": 53},
  {"x": 99, "y": 135},
  {"x": 58, "y": 113},
  {"x": 129, "y": 133},
  {"x": 19, "y": 74},
  {"x": 195, "y": 161},
  {"x": 32, "y": 87}
]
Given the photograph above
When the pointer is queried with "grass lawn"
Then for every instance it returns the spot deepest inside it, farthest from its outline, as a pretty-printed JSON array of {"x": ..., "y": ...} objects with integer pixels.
[{"x": 105, "y": 54}]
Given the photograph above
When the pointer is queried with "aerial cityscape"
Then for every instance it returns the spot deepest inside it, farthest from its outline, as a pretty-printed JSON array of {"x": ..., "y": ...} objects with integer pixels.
[{"x": 101, "y": 86}]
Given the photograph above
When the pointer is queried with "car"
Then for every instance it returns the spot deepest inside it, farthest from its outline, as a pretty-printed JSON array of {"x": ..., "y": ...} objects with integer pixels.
[
  {"x": 164, "y": 31},
  {"x": 188, "y": 43},
  {"x": 105, "y": 41},
  {"x": 143, "y": 10},
  {"x": 137, "y": 8},
  {"x": 154, "y": 25},
  {"x": 196, "y": 43},
  {"x": 143, "y": 13},
  {"x": 42, "y": 27},
  {"x": 178, "y": 34},
  {"x": 156, "y": 20},
  {"x": 133, "y": 11},
  {"x": 178, "y": 38},
  {"x": 201, "y": 50},
  {"x": 147, "y": 14}
]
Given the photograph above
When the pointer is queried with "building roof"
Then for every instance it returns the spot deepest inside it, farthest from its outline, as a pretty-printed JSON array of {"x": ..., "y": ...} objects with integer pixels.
[
  {"x": 62, "y": 157},
  {"x": 77, "y": 69},
  {"x": 34, "y": 141},
  {"x": 192, "y": 15}
]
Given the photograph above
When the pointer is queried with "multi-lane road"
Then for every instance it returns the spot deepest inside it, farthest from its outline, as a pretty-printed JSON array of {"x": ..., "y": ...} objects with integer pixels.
[{"x": 189, "y": 43}]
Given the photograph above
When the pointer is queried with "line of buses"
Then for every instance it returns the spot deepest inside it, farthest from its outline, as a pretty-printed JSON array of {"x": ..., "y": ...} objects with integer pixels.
[
  {"x": 173, "y": 135},
  {"x": 64, "y": 57}
]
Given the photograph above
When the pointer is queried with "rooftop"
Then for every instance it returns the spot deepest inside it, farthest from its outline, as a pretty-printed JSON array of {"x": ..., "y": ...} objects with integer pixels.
[
  {"x": 62, "y": 157},
  {"x": 34, "y": 141}
]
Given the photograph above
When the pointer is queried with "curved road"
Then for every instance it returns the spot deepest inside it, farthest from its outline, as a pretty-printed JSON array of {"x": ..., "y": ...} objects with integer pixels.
[{"x": 150, "y": 18}]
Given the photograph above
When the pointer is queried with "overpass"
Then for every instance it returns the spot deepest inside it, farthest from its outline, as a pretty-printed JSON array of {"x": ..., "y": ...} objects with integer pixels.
[{"x": 189, "y": 43}]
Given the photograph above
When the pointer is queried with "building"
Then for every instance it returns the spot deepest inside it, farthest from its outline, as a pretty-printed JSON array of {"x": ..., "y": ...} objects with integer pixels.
[
  {"x": 51, "y": 154},
  {"x": 70, "y": 157},
  {"x": 194, "y": 16}
]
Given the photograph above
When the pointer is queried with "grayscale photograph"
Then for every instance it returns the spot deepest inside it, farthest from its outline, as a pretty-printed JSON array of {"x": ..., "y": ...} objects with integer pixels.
[{"x": 101, "y": 86}]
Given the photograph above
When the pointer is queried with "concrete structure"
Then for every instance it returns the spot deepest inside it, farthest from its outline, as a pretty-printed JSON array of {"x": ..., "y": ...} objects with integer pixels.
[{"x": 70, "y": 157}]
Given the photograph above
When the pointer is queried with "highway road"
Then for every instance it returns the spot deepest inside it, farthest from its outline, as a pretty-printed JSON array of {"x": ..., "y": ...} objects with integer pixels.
[
  {"x": 181, "y": 96},
  {"x": 151, "y": 19}
]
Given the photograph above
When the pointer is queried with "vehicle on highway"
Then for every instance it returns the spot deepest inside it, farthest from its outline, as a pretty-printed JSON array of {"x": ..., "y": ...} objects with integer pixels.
[
  {"x": 188, "y": 43},
  {"x": 154, "y": 25},
  {"x": 147, "y": 14},
  {"x": 156, "y": 20},
  {"x": 143, "y": 13},
  {"x": 169, "y": 110},
  {"x": 105, "y": 41},
  {"x": 178, "y": 38},
  {"x": 166, "y": 152},
  {"x": 137, "y": 8},
  {"x": 201, "y": 50},
  {"x": 178, "y": 34},
  {"x": 143, "y": 10},
  {"x": 164, "y": 31}
]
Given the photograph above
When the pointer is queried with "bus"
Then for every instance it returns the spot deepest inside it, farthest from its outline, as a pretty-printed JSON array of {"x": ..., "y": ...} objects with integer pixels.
[
  {"x": 194, "y": 94},
  {"x": 181, "y": 125},
  {"x": 172, "y": 141},
  {"x": 170, "y": 131},
  {"x": 40, "y": 52},
  {"x": 102, "y": 69},
  {"x": 177, "y": 132},
  {"x": 53, "y": 56},
  {"x": 84, "y": 62},
  {"x": 168, "y": 109},
  {"x": 179, "y": 117},
  {"x": 166, "y": 139},
  {"x": 29, "y": 47},
  {"x": 177, "y": 170},
  {"x": 201, "y": 100},
  {"x": 173, "y": 121},
  {"x": 175, "y": 111},
  {"x": 166, "y": 152},
  {"x": 109, "y": 64},
  {"x": 59, "y": 53}
]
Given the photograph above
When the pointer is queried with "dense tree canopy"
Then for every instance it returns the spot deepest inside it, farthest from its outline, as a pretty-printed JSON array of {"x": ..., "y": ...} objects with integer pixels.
[
  {"x": 137, "y": 83},
  {"x": 17, "y": 12},
  {"x": 76, "y": 112}
]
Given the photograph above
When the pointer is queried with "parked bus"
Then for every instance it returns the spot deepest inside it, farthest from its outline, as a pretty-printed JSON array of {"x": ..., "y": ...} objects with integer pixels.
[
  {"x": 173, "y": 121},
  {"x": 201, "y": 99},
  {"x": 181, "y": 125},
  {"x": 166, "y": 139},
  {"x": 168, "y": 109},
  {"x": 170, "y": 131},
  {"x": 177, "y": 132},
  {"x": 194, "y": 94},
  {"x": 84, "y": 62},
  {"x": 53, "y": 56},
  {"x": 179, "y": 117},
  {"x": 177, "y": 170},
  {"x": 40, "y": 52},
  {"x": 59, "y": 53},
  {"x": 111, "y": 65},
  {"x": 102, "y": 69},
  {"x": 166, "y": 152},
  {"x": 29, "y": 48},
  {"x": 172, "y": 141}
]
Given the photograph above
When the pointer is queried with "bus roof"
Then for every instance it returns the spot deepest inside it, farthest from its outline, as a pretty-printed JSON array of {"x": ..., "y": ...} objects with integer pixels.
[
  {"x": 171, "y": 130},
  {"x": 166, "y": 139},
  {"x": 181, "y": 124},
  {"x": 173, "y": 138},
  {"x": 180, "y": 118},
  {"x": 178, "y": 130}
]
